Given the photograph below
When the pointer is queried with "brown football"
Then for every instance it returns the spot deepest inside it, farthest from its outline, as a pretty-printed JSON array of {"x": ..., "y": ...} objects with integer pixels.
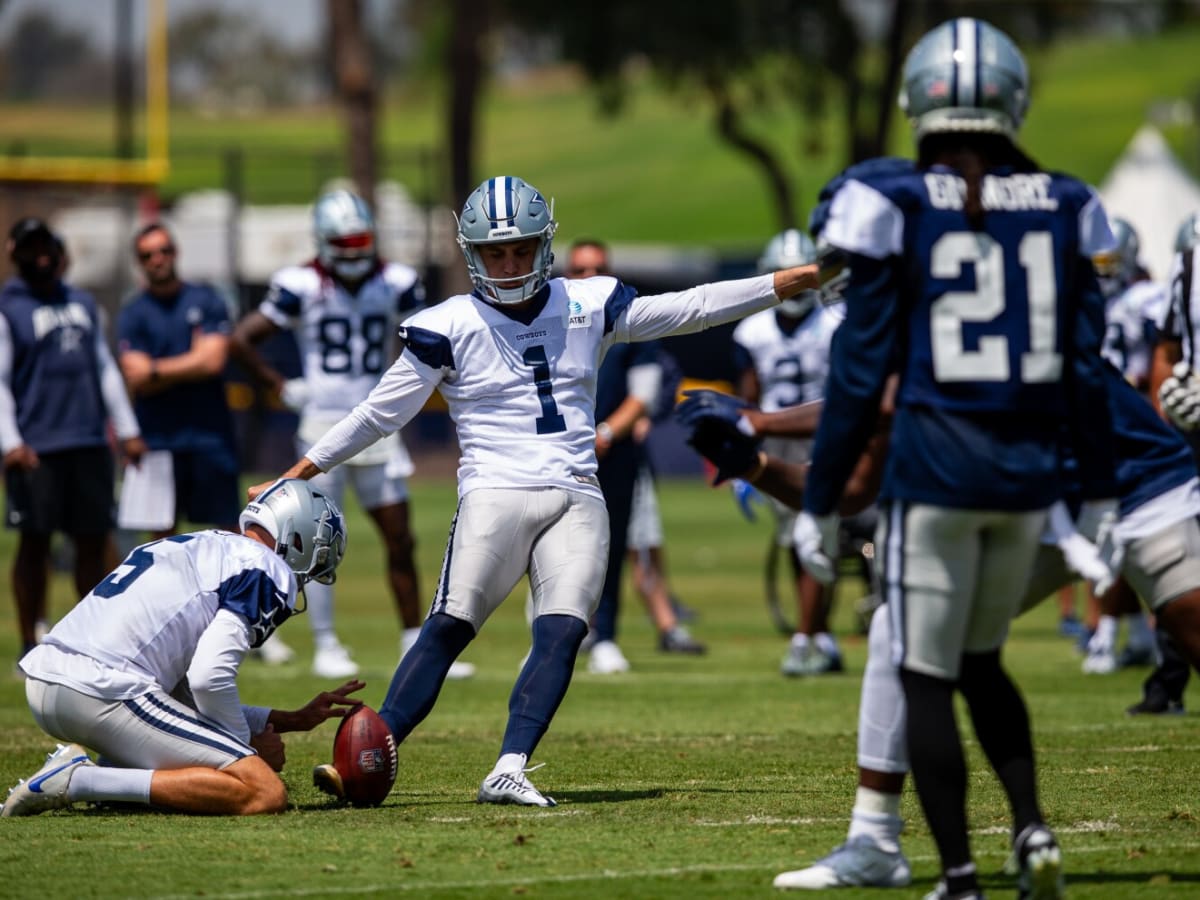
[{"x": 364, "y": 754}]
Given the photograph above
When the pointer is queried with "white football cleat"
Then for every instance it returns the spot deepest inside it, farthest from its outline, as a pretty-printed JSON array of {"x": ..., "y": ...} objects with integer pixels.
[
  {"x": 334, "y": 661},
  {"x": 1102, "y": 661},
  {"x": 274, "y": 652},
  {"x": 606, "y": 658},
  {"x": 1040, "y": 861},
  {"x": 513, "y": 787},
  {"x": 460, "y": 671},
  {"x": 857, "y": 863},
  {"x": 47, "y": 787}
]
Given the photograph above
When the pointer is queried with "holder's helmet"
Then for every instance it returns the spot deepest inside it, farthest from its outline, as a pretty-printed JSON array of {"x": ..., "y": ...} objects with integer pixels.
[{"x": 308, "y": 528}]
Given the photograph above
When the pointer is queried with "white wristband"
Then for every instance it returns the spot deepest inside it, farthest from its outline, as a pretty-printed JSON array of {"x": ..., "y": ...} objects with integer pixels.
[{"x": 604, "y": 431}]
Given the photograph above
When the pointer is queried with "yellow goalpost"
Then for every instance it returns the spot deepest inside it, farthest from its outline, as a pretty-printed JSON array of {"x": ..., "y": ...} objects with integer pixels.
[{"x": 152, "y": 168}]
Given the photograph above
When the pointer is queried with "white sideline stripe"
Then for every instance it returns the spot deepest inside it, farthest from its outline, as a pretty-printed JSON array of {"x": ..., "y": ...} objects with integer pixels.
[{"x": 612, "y": 875}]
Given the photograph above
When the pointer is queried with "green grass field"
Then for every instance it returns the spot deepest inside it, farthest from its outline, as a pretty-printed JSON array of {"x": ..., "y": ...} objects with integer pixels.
[{"x": 686, "y": 778}]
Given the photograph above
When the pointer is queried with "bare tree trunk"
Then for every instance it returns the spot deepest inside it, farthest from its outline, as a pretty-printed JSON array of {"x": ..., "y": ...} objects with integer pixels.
[
  {"x": 729, "y": 127},
  {"x": 466, "y": 66},
  {"x": 894, "y": 59},
  {"x": 356, "y": 92}
]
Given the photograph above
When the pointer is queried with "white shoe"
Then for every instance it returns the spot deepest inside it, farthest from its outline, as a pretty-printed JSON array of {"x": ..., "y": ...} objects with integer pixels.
[
  {"x": 334, "y": 661},
  {"x": 274, "y": 652},
  {"x": 47, "y": 787},
  {"x": 797, "y": 662},
  {"x": 512, "y": 787},
  {"x": 1040, "y": 863},
  {"x": 460, "y": 671},
  {"x": 1102, "y": 661},
  {"x": 606, "y": 658},
  {"x": 857, "y": 863}
]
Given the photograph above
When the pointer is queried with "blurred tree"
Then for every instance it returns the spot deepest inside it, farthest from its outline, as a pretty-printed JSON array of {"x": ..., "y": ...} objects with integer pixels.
[
  {"x": 746, "y": 59},
  {"x": 224, "y": 58},
  {"x": 356, "y": 92},
  {"x": 40, "y": 56}
]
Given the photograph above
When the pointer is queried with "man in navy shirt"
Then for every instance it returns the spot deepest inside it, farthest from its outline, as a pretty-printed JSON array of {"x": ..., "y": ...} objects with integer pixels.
[
  {"x": 59, "y": 387},
  {"x": 173, "y": 340}
]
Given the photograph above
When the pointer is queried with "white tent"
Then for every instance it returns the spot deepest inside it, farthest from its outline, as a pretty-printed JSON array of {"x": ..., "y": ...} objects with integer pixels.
[{"x": 1151, "y": 190}]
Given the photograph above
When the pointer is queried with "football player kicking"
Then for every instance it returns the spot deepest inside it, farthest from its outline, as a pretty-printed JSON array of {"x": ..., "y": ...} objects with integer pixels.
[
  {"x": 516, "y": 362},
  {"x": 143, "y": 669}
]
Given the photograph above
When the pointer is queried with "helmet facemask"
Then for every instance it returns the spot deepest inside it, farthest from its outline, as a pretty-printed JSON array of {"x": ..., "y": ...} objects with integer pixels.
[{"x": 306, "y": 526}]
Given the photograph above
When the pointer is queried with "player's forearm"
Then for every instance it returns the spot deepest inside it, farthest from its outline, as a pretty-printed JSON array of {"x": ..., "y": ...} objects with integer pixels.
[
  {"x": 696, "y": 309},
  {"x": 799, "y": 421},
  {"x": 205, "y": 360},
  {"x": 1166, "y": 354},
  {"x": 253, "y": 363}
]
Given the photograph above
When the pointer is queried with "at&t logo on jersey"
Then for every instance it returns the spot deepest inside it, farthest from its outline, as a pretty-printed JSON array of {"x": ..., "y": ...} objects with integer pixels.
[{"x": 576, "y": 316}]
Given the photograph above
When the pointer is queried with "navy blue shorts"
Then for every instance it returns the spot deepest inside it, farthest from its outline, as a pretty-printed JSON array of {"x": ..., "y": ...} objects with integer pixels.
[
  {"x": 206, "y": 488},
  {"x": 69, "y": 491}
]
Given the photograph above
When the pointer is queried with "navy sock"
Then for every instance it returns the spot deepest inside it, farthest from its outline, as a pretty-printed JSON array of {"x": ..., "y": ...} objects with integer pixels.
[
  {"x": 543, "y": 681},
  {"x": 1002, "y": 726},
  {"x": 418, "y": 679},
  {"x": 939, "y": 767}
]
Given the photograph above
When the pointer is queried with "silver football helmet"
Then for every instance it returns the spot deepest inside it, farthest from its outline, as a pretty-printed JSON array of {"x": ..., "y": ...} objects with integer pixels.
[
  {"x": 965, "y": 75},
  {"x": 787, "y": 249},
  {"x": 501, "y": 210},
  {"x": 1188, "y": 235},
  {"x": 345, "y": 232},
  {"x": 308, "y": 528},
  {"x": 1117, "y": 267}
]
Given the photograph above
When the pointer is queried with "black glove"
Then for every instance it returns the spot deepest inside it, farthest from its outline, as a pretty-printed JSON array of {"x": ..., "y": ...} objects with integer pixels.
[
  {"x": 731, "y": 451},
  {"x": 703, "y": 404}
]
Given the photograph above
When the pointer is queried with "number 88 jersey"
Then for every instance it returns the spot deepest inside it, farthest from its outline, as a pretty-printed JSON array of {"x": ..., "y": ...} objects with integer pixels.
[{"x": 346, "y": 340}]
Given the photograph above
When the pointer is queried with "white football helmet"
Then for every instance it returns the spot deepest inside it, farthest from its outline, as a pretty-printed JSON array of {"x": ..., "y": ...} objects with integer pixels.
[
  {"x": 308, "y": 528},
  {"x": 1117, "y": 267},
  {"x": 1188, "y": 235},
  {"x": 501, "y": 210},
  {"x": 965, "y": 75},
  {"x": 787, "y": 249},
  {"x": 345, "y": 233}
]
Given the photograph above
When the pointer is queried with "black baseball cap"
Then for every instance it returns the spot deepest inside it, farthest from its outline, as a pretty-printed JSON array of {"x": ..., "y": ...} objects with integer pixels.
[{"x": 27, "y": 228}]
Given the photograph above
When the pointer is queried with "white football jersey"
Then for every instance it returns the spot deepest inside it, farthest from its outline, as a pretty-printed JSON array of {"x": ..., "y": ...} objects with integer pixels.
[
  {"x": 1129, "y": 326},
  {"x": 521, "y": 388},
  {"x": 346, "y": 341},
  {"x": 791, "y": 368},
  {"x": 185, "y": 606}
]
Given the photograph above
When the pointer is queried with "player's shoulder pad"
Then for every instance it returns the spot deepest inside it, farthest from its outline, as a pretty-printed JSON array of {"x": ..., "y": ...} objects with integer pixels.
[
  {"x": 867, "y": 170},
  {"x": 400, "y": 275},
  {"x": 298, "y": 280}
]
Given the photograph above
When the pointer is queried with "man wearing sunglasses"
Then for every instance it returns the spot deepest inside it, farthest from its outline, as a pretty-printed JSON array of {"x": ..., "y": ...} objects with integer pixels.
[{"x": 173, "y": 341}]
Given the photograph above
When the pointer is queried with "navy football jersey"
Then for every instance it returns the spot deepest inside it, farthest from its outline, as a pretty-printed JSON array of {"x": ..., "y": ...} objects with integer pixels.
[{"x": 995, "y": 334}]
